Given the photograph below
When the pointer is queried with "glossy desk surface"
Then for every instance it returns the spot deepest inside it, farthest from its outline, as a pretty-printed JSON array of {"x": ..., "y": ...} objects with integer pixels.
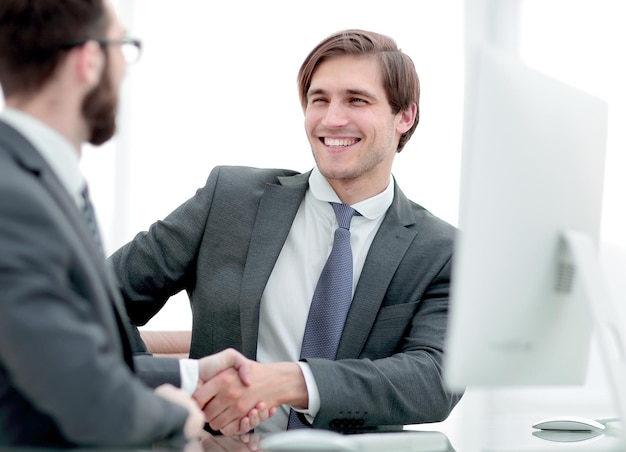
[
  {"x": 506, "y": 433},
  {"x": 474, "y": 426},
  {"x": 501, "y": 433},
  {"x": 514, "y": 433}
]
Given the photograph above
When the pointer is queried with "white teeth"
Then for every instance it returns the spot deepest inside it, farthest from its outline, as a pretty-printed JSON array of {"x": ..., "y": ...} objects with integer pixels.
[{"x": 339, "y": 141}]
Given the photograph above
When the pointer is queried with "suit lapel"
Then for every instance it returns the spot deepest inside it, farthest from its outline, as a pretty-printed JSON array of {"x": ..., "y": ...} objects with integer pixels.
[
  {"x": 386, "y": 252},
  {"x": 277, "y": 210},
  {"x": 31, "y": 160}
]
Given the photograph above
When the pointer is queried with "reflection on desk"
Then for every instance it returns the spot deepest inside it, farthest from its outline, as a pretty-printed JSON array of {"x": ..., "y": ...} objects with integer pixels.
[
  {"x": 396, "y": 441},
  {"x": 560, "y": 436},
  {"x": 399, "y": 441},
  {"x": 471, "y": 433},
  {"x": 317, "y": 440},
  {"x": 513, "y": 432},
  {"x": 243, "y": 443}
]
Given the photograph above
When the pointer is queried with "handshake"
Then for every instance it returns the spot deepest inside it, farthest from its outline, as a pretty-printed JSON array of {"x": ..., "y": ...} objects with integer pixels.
[{"x": 235, "y": 394}]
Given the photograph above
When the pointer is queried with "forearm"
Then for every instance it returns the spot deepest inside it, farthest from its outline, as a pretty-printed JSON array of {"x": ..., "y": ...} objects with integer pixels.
[
  {"x": 289, "y": 387},
  {"x": 406, "y": 388}
]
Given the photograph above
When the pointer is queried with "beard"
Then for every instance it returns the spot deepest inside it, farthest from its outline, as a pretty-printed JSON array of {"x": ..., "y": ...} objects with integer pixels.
[{"x": 100, "y": 110}]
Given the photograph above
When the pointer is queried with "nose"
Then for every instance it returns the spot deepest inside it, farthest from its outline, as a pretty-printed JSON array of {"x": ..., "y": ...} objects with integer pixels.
[{"x": 336, "y": 115}]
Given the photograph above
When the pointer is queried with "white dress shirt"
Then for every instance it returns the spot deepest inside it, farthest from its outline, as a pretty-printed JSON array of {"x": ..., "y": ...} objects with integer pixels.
[
  {"x": 287, "y": 297},
  {"x": 53, "y": 147}
]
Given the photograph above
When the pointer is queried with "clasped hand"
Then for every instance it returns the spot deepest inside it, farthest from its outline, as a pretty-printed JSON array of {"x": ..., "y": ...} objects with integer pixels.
[
  {"x": 237, "y": 394},
  {"x": 229, "y": 372}
]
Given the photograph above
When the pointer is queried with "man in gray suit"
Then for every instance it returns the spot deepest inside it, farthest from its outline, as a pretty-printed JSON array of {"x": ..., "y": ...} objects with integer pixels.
[
  {"x": 250, "y": 246},
  {"x": 67, "y": 373}
]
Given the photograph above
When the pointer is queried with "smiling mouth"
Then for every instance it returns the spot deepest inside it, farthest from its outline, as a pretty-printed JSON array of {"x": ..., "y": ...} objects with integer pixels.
[{"x": 339, "y": 142}]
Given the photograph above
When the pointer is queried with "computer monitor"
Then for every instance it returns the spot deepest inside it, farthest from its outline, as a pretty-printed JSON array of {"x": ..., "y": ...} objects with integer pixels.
[{"x": 532, "y": 169}]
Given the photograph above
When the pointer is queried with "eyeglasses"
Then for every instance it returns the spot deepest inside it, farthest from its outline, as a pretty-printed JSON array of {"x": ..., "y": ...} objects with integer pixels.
[{"x": 130, "y": 47}]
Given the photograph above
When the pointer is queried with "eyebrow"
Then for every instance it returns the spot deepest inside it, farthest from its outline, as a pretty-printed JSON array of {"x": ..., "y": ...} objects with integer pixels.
[{"x": 352, "y": 92}]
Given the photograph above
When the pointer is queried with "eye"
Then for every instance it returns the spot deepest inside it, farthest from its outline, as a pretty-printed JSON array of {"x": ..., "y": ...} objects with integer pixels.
[
  {"x": 317, "y": 100},
  {"x": 357, "y": 100}
]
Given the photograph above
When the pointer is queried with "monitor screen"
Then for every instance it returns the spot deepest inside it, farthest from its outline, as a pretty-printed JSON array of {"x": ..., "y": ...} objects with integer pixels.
[{"x": 532, "y": 167}]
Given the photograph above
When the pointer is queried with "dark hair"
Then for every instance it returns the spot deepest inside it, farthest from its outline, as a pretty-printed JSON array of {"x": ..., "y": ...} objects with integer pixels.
[
  {"x": 400, "y": 79},
  {"x": 33, "y": 32}
]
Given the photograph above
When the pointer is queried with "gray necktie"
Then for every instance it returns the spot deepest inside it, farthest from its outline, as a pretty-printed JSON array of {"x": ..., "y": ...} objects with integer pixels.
[
  {"x": 90, "y": 218},
  {"x": 331, "y": 300}
]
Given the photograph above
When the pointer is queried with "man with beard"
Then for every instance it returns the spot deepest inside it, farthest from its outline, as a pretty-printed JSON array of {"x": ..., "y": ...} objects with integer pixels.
[{"x": 67, "y": 371}]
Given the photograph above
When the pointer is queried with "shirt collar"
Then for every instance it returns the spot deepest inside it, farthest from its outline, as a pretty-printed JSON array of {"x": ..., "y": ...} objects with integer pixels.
[
  {"x": 370, "y": 208},
  {"x": 54, "y": 148}
]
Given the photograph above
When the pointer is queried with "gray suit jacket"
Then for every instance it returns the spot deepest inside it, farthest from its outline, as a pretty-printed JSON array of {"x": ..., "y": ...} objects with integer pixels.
[
  {"x": 221, "y": 246},
  {"x": 66, "y": 368}
]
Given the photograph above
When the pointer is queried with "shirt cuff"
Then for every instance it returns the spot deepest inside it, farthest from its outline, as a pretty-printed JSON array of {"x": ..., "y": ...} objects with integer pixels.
[
  {"x": 314, "y": 394},
  {"x": 189, "y": 372}
]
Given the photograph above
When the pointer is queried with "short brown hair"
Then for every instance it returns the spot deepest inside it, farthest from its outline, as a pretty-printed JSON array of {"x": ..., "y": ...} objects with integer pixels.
[
  {"x": 400, "y": 79},
  {"x": 33, "y": 32}
]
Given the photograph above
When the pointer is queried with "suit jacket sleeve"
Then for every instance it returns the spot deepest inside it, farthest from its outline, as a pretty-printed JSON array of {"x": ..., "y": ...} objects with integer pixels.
[
  {"x": 402, "y": 386},
  {"x": 161, "y": 262}
]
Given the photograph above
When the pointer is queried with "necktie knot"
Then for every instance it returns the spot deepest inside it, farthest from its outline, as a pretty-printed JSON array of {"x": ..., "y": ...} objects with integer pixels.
[{"x": 344, "y": 214}]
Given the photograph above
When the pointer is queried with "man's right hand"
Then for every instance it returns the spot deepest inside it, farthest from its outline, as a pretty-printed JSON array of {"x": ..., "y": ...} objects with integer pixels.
[
  {"x": 194, "y": 425},
  {"x": 230, "y": 361},
  {"x": 226, "y": 398}
]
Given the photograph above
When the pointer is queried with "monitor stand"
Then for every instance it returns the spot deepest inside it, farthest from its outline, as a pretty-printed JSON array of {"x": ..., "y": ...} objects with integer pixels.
[{"x": 581, "y": 253}]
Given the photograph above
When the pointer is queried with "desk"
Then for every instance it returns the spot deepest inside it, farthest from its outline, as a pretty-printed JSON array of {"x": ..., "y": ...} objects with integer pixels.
[
  {"x": 514, "y": 433},
  {"x": 502, "y": 433},
  {"x": 468, "y": 432},
  {"x": 478, "y": 426},
  {"x": 473, "y": 426}
]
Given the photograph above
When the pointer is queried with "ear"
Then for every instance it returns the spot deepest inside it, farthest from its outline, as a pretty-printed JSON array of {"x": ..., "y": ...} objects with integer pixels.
[
  {"x": 89, "y": 63},
  {"x": 407, "y": 118}
]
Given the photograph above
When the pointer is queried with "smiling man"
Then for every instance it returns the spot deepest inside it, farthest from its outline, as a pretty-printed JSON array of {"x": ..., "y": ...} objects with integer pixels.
[{"x": 362, "y": 347}]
